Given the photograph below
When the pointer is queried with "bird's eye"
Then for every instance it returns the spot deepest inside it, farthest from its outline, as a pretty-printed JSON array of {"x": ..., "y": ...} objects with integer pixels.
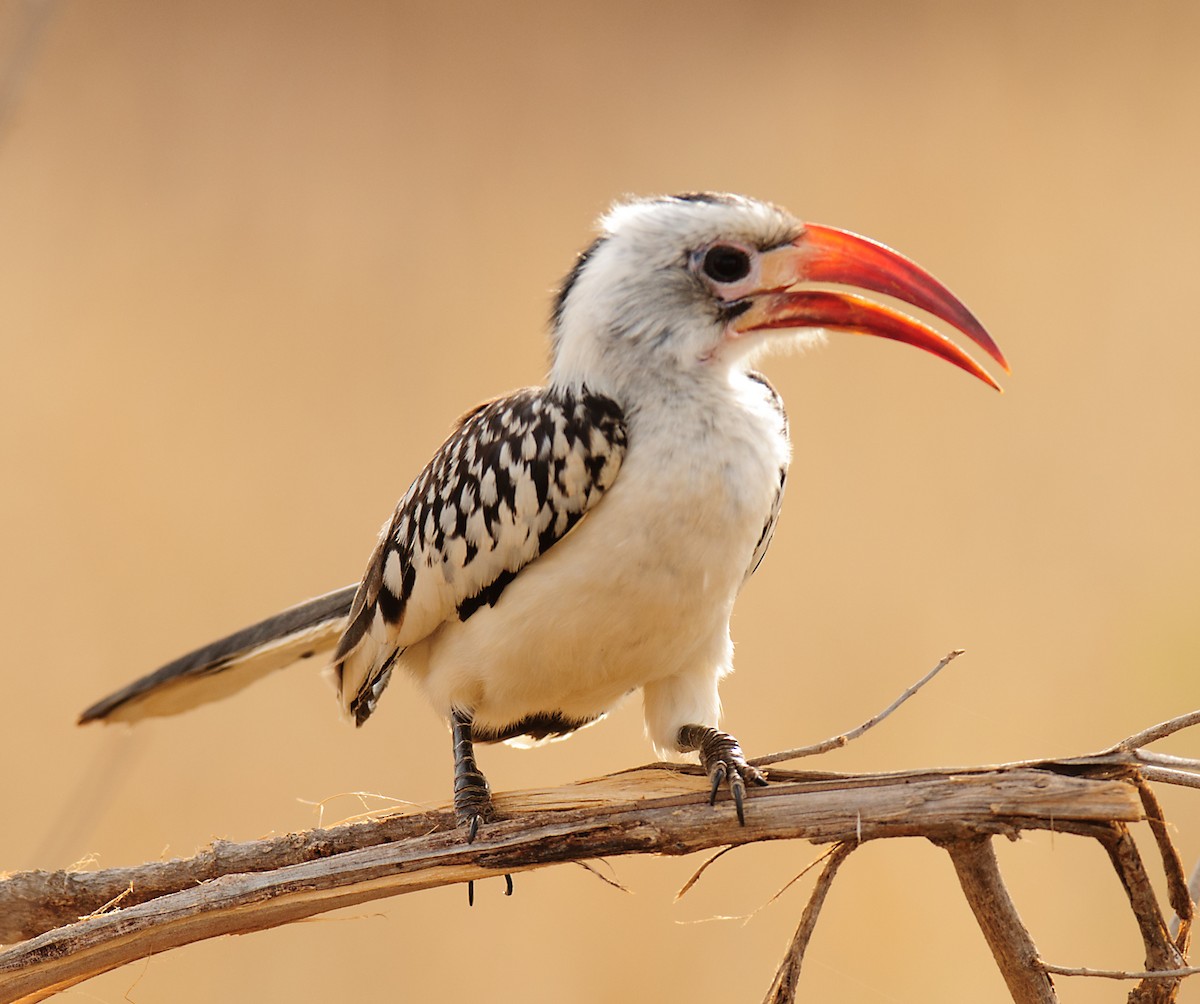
[{"x": 725, "y": 263}]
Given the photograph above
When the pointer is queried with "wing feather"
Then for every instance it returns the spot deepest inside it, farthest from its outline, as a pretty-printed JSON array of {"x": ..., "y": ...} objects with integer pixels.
[
  {"x": 225, "y": 666},
  {"x": 514, "y": 478}
]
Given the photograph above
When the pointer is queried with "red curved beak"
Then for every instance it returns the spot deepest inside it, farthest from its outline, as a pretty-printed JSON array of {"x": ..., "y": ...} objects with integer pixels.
[{"x": 826, "y": 254}]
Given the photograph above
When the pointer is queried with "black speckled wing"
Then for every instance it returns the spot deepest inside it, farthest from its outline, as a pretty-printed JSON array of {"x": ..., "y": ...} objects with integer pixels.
[{"x": 516, "y": 475}]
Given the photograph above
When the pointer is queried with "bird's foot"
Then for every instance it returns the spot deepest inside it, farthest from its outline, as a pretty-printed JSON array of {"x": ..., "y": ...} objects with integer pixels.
[
  {"x": 472, "y": 801},
  {"x": 473, "y": 806},
  {"x": 472, "y": 796},
  {"x": 722, "y": 760}
]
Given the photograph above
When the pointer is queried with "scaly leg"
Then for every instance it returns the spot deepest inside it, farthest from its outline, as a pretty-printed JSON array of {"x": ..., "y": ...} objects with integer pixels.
[
  {"x": 722, "y": 758},
  {"x": 472, "y": 796}
]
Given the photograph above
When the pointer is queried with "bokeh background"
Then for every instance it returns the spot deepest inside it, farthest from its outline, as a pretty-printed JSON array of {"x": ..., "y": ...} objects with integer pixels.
[{"x": 256, "y": 258}]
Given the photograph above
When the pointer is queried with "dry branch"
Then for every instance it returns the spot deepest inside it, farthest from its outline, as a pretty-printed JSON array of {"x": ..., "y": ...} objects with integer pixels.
[
  {"x": 1012, "y": 947},
  {"x": 1161, "y": 953},
  {"x": 233, "y": 888},
  {"x": 80, "y": 924}
]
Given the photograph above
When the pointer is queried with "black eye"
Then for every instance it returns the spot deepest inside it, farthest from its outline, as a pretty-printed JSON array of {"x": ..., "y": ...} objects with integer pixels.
[{"x": 724, "y": 263}]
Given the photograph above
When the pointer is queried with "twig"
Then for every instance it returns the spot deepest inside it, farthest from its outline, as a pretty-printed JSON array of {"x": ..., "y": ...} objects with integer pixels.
[
  {"x": 1119, "y": 974},
  {"x": 1012, "y": 947},
  {"x": 588, "y": 866},
  {"x": 796, "y": 878},
  {"x": 1168, "y": 775},
  {"x": 683, "y": 890},
  {"x": 837, "y": 742},
  {"x": 783, "y": 989},
  {"x": 1167, "y": 760},
  {"x": 1156, "y": 732}
]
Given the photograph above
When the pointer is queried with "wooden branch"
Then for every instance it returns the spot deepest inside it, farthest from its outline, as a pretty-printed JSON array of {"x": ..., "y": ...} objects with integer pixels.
[
  {"x": 1179, "y": 894},
  {"x": 662, "y": 809},
  {"x": 1161, "y": 953},
  {"x": 1012, "y": 947}
]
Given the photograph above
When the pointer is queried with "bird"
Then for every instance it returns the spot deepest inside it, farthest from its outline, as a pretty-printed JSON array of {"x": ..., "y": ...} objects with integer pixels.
[{"x": 572, "y": 543}]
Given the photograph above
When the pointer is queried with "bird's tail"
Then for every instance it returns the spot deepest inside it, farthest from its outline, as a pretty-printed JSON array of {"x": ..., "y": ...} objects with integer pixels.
[{"x": 226, "y": 666}]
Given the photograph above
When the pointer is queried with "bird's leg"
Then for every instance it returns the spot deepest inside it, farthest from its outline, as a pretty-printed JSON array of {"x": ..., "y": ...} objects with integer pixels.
[
  {"x": 722, "y": 759},
  {"x": 472, "y": 797}
]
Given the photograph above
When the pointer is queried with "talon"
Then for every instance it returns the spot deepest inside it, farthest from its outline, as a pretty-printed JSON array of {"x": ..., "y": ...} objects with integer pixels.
[
  {"x": 717, "y": 776},
  {"x": 508, "y": 889},
  {"x": 472, "y": 829},
  {"x": 722, "y": 760},
  {"x": 738, "y": 787}
]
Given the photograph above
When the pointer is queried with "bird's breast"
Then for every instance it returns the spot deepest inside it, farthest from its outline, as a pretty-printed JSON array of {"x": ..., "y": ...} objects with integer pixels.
[{"x": 641, "y": 589}]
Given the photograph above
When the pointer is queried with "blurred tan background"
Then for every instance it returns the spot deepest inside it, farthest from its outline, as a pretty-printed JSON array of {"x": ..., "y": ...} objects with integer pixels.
[{"x": 255, "y": 259}]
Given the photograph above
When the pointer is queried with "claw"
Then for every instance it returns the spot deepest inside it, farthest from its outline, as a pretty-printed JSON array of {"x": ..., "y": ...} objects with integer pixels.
[
  {"x": 717, "y": 776},
  {"x": 508, "y": 889},
  {"x": 472, "y": 829},
  {"x": 738, "y": 787},
  {"x": 722, "y": 760}
]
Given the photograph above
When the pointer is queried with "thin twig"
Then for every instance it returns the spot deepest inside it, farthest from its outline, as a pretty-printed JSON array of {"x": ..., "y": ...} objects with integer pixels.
[
  {"x": 1119, "y": 974},
  {"x": 783, "y": 988},
  {"x": 1168, "y": 775},
  {"x": 1156, "y": 732},
  {"x": 1167, "y": 760},
  {"x": 837, "y": 742},
  {"x": 792, "y": 881},
  {"x": 588, "y": 866},
  {"x": 683, "y": 891}
]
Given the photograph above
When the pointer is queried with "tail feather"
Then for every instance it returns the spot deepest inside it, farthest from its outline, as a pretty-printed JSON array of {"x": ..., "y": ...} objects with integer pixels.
[{"x": 231, "y": 663}]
